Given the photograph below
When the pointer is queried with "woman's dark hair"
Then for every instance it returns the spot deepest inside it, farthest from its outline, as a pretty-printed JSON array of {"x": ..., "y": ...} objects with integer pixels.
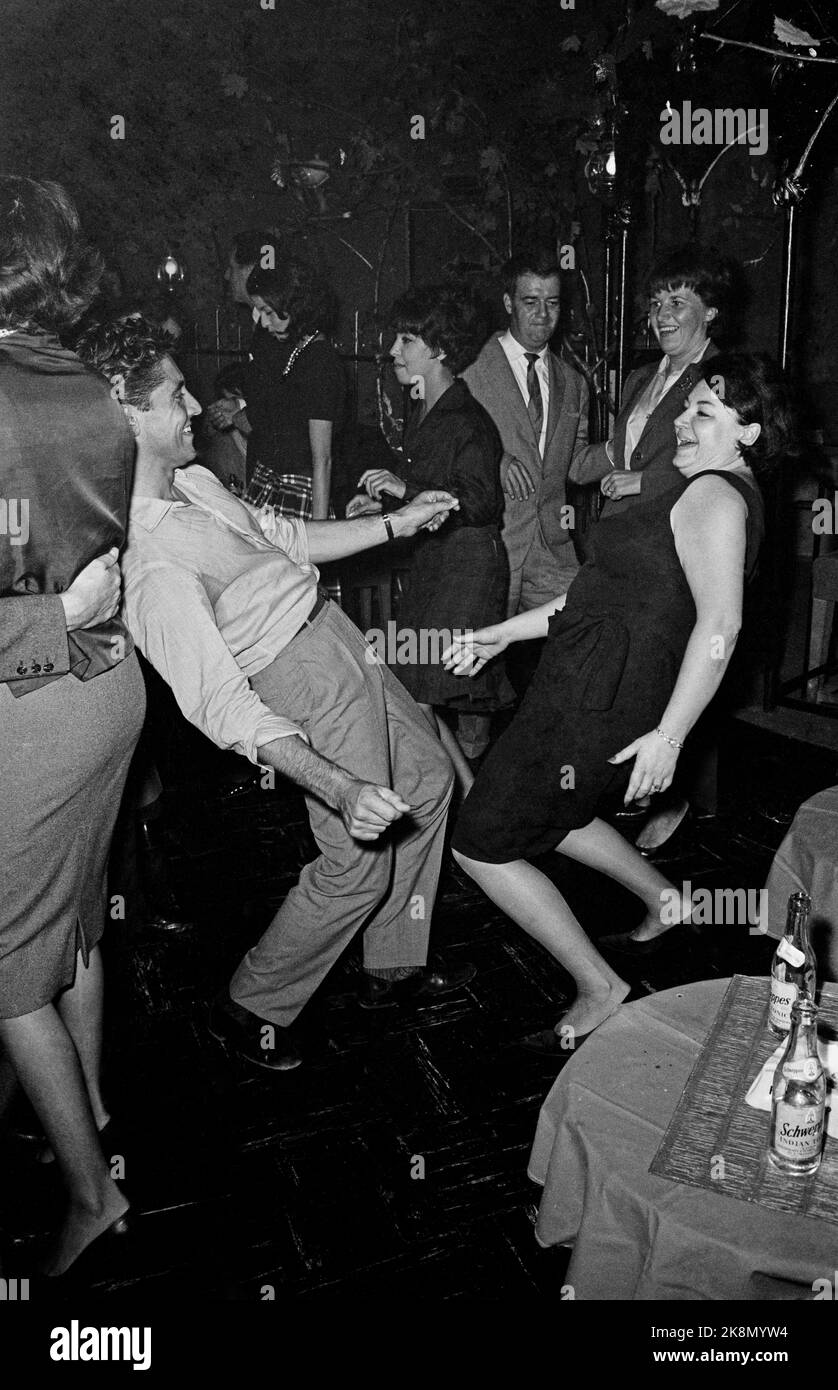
[
  {"x": 295, "y": 290},
  {"x": 48, "y": 272},
  {"x": 449, "y": 318},
  {"x": 751, "y": 384},
  {"x": 716, "y": 279},
  {"x": 130, "y": 347}
]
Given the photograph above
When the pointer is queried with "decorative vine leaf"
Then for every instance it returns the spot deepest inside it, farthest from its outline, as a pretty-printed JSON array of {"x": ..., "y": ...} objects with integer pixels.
[
  {"x": 787, "y": 33},
  {"x": 682, "y": 9}
]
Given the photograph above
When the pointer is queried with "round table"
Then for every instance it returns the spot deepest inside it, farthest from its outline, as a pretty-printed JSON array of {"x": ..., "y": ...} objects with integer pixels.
[{"x": 638, "y": 1236}]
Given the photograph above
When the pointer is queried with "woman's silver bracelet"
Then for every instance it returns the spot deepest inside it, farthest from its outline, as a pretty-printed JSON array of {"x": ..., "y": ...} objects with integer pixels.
[{"x": 673, "y": 742}]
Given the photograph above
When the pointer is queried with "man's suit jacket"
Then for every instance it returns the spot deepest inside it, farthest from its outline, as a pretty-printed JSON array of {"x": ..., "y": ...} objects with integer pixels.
[{"x": 492, "y": 382}]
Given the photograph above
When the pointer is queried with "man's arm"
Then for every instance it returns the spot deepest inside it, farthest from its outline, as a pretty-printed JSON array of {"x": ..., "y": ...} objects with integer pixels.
[
  {"x": 366, "y": 810},
  {"x": 331, "y": 540}
]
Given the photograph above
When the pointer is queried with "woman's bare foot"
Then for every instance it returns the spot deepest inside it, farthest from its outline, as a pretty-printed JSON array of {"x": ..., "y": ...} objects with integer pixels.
[
  {"x": 591, "y": 1008},
  {"x": 81, "y": 1227},
  {"x": 652, "y": 926}
]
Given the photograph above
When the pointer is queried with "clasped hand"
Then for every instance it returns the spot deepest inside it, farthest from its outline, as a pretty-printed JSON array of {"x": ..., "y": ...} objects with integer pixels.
[
  {"x": 222, "y": 412},
  {"x": 654, "y": 765},
  {"x": 377, "y": 480}
]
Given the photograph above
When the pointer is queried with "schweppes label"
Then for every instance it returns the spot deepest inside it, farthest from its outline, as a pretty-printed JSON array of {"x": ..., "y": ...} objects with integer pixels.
[
  {"x": 798, "y": 1131},
  {"x": 783, "y": 995}
]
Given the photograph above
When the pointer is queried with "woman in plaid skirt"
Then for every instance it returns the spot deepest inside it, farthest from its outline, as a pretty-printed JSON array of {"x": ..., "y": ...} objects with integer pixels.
[{"x": 295, "y": 403}]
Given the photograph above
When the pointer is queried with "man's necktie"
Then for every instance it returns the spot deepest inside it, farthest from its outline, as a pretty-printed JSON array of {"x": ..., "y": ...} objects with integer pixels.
[{"x": 535, "y": 403}]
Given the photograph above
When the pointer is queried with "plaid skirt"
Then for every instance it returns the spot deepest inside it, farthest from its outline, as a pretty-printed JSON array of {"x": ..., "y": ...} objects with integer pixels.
[{"x": 290, "y": 495}]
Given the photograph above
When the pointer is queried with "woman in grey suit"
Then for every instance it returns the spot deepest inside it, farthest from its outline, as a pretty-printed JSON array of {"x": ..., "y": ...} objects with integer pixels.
[{"x": 71, "y": 695}]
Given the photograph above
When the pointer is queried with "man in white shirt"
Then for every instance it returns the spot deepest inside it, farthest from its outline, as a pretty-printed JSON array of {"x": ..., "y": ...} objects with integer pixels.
[{"x": 222, "y": 599}]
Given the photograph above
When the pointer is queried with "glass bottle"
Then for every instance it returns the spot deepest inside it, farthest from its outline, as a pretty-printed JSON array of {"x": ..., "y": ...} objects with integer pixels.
[
  {"x": 799, "y": 1096},
  {"x": 793, "y": 969}
]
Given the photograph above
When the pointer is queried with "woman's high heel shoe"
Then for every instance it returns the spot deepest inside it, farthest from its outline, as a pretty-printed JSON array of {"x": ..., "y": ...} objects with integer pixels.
[{"x": 84, "y": 1266}]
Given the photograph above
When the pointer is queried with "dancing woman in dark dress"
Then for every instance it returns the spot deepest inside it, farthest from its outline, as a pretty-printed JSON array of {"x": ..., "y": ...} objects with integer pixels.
[
  {"x": 635, "y": 652},
  {"x": 458, "y": 577}
]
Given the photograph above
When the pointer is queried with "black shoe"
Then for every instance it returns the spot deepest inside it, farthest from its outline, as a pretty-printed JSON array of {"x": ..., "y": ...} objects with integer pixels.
[
  {"x": 431, "y": 982},
  {"x": 624, "y": 944},
  {"x": 667, "y": 830},
  {"x": 166, "y": 918},
  {"x": 246, "y": 1034}
]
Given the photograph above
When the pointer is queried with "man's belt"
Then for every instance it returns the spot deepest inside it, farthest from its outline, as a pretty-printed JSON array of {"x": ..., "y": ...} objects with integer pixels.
[{"x": 320, "y": 604}]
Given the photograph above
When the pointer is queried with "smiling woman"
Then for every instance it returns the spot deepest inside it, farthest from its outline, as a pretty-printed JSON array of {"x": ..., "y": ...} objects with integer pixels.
[
  {"x": 632, "y": 659},
  {"x": 458, "y": 577},
  {"x": 692, "y": 291}
]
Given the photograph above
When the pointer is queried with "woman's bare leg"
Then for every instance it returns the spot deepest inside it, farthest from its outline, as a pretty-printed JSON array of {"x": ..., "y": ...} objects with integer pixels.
[
  {"x": 602, "y": 847},
  {"x": 536, "y": 905},
  {"x": 81, "y": 1011},
  {"x": 462, "y": 771},
  {"x": 48, "y": 1067},
  {"x": 8, "y": 1082}
]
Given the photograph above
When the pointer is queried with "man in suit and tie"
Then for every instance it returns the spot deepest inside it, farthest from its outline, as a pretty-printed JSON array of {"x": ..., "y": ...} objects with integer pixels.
[{"x": 540, "y": 407}]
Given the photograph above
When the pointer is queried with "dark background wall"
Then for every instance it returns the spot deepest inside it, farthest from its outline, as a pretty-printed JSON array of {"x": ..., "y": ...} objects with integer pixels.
[{"x": 215, "y": 92}]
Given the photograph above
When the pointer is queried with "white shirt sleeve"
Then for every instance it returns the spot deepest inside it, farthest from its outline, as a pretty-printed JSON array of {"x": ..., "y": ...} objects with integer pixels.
[
  {"x": 287, "y": 533},
  {"x": 170, "y": 617}
]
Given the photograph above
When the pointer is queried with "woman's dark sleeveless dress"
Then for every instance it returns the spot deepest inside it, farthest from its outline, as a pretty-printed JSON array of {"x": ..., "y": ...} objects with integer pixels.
[{"x": 608, "y": 669}]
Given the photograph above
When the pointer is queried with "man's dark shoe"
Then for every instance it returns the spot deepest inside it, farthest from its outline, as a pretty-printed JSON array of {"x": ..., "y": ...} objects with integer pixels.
[
  {"x": 431, "y": 982},
  {"x": 254, "y": 1039}
]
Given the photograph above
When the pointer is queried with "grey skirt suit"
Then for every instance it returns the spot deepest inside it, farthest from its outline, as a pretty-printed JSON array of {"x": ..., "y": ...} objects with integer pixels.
[{"x": 71, "y": 705}]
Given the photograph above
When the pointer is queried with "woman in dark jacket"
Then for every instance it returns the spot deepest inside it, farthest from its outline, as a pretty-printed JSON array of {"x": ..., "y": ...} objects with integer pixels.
[
  {"x": 71, "y": 695},
  {"x": 691, "y": 293},
  {"x": 460, "y": 574}
]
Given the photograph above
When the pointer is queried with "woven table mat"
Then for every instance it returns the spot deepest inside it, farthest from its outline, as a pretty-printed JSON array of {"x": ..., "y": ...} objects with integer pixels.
[{"x": 712, "y": 1121}]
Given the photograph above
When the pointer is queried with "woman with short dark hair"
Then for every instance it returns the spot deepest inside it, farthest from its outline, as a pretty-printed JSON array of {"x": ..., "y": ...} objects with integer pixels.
[
  {"x": 458, "y": 578},
  {"x": 71, "y": 695},
  {"x": 692, "y": 291},
  {"x": 296, "y": 414},
  {"x": 635, "y": 651}
]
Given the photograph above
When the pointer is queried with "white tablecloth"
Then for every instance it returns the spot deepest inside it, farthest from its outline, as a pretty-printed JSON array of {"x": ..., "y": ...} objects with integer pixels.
[{"x": 637, "y": 1236}]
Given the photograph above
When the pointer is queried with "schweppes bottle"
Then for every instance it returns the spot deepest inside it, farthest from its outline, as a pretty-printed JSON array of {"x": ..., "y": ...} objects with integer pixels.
[
  {"x": 799, "y": 1096},
  {"x": 793, "y": 969}
]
